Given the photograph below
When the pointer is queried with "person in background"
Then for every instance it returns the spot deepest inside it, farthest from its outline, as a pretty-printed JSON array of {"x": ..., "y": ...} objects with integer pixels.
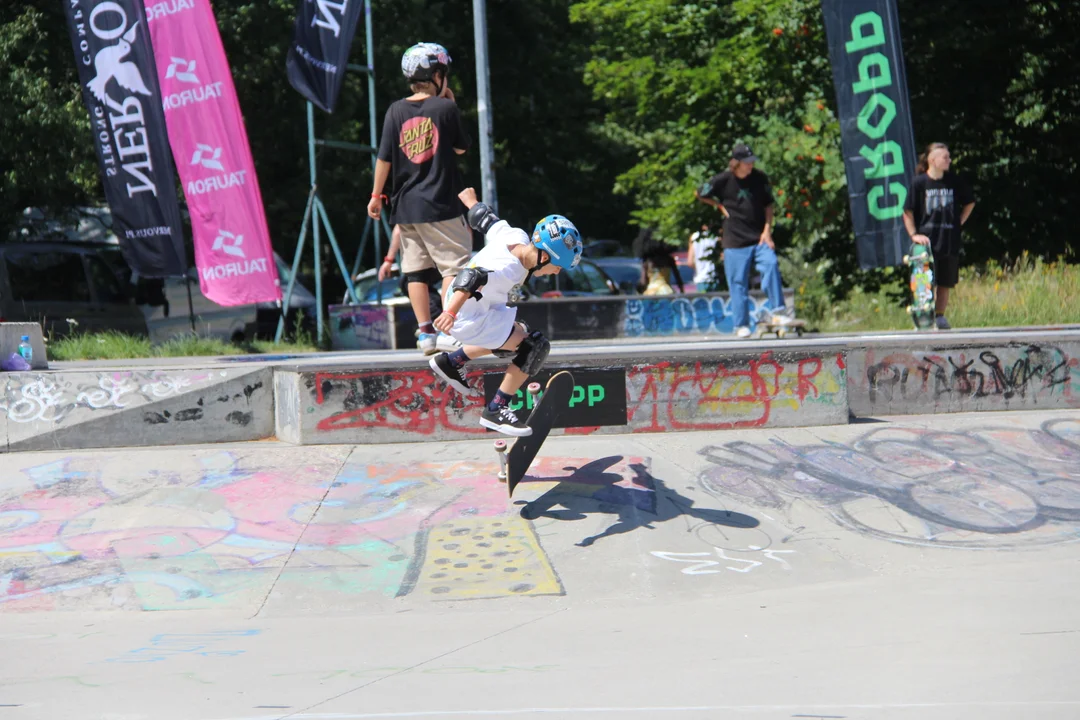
[
  {"x": 658, "y": 268},
  {"x": 704, "y": 256},
  {"x": 421, "y": 137},
  {"x": 938, "y": 205},
  {"x": 743, "y": 195}
]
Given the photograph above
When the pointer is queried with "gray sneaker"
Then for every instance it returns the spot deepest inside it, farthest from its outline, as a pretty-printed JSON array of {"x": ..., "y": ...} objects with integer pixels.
[{"x": 942, "y": 323}]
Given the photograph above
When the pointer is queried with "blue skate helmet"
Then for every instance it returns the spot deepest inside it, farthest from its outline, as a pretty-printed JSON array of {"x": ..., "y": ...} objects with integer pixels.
[
  {"x": 420, "y": 62},
  {"x": 560, "y": 239}
]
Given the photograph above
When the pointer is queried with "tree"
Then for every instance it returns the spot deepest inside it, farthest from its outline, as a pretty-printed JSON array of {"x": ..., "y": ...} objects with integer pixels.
[{"x": 46, "y": 158}]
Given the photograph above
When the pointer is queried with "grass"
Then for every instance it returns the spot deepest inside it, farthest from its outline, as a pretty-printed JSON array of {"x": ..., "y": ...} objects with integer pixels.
[
  {"x": 1028, "y": 291},
  {"x": 118, "y": 346}
]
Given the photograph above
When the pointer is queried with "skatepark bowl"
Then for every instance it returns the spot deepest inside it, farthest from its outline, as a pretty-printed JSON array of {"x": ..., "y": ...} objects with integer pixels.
[{"x": 803, "y": 528}]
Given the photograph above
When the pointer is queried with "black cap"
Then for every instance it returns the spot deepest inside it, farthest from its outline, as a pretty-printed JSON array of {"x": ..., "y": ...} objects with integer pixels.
[{"x": 743, "y": 153}]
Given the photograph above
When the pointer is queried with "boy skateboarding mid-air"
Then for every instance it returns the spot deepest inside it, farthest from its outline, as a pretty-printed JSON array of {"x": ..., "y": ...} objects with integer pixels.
[{"x": 477, "y": 314}]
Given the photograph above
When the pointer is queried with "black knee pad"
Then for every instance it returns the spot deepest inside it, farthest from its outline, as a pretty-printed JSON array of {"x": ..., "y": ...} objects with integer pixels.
[
  {"x": 427, "y": 276},
  {"x": 531, "y": 353}
]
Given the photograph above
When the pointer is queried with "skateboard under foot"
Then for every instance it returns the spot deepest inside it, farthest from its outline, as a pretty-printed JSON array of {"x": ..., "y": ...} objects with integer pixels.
[{"x": 514, "y": 460}]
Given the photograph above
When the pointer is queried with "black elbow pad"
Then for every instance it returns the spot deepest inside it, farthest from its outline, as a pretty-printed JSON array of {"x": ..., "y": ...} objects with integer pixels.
[
  {"x": 481, "y": 218},
  {"x": 470, "y": 280}
]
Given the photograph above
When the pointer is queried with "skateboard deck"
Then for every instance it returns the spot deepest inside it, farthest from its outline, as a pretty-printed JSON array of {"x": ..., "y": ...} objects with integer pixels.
[
  {"x": 555, "y": 399},
  {"x": 781, "y": 330},
  {"x": 921, "y": 263}
]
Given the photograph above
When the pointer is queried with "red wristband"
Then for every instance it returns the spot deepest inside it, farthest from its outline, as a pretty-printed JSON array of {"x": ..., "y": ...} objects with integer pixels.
[
  {"x": 379, "y": 195},
  {"x": 453, "y": 315},
  {"x": 389, "y": 259}
]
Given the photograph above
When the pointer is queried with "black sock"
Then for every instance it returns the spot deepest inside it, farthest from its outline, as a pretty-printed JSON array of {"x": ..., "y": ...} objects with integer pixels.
[
  {"x": 458, "y": 358},
  {"x": 427, "y": 328},
  {"x": 500, "y": 400}
]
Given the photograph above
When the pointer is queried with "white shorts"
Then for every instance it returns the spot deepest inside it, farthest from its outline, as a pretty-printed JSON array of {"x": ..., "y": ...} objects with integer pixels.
[{"x": 489, "y": 330}]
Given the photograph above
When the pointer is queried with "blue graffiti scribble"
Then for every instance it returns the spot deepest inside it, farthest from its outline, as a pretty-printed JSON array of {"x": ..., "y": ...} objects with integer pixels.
[{"x": 682, "y": 316}]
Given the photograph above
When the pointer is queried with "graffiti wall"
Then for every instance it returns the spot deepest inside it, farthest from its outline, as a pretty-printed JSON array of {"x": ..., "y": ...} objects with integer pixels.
[
  {"x": 989, "y": 487},
  {"x": 767, "y": 390},
  {"x": 961, "y": 379},
  {"x": 362, "y": 327},
  {"x": 759, "y": 390},
  {"x": 594, "y": 317},
  {"x": 691, "y": 315},
  {"x": 132, "y": 408}
]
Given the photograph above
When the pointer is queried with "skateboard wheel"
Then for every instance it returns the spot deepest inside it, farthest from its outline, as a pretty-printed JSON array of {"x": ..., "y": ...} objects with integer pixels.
[
  {"x": 907, "y": 259},
  {"x": 500, "y": 446},
  {"x": 502, "y": 477},
  {"x": 781, "y": 333},
  {"x": 534, "y": 388}
]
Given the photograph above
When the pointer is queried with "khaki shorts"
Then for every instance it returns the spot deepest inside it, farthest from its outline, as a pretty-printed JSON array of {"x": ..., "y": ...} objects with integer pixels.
[{"x": 445, "y": 245}]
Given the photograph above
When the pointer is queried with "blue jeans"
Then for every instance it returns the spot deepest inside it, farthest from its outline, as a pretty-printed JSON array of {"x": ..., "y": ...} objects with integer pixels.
[{"x": 737, "y": 265}]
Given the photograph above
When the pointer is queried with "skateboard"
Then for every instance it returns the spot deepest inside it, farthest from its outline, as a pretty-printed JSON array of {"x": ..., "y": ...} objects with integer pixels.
[
  {"x": 921, "y": 263},
  {"x": 768, "y": 327},
  {"x": 515, "y": 461}
]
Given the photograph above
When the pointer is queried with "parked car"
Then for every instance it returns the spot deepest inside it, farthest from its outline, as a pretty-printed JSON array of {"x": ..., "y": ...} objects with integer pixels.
[
  {"x": 66, "y": 288},
  {"x": 163, "y": 303},
  {"x": 626, "y": 272}
]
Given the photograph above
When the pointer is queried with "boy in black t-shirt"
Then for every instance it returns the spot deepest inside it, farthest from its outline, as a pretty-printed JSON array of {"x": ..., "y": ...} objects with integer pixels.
[
  {"x": 938, "y": 204},
  {"x": 421, "y": 138}
]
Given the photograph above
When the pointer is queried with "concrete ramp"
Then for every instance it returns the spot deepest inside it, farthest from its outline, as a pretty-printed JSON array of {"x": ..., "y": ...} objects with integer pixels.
[
  {"x": 131, "y": 408},
  {"x": 917, "y": 569}
]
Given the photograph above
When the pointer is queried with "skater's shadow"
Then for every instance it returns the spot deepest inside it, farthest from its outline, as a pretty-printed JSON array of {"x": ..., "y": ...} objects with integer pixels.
[{"x": 642, "y": 502}]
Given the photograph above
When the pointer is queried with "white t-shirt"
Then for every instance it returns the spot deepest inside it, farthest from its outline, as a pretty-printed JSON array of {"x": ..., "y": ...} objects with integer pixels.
[
  {"x": 704, "y": 269},
  {"x": 487, "y": 322}
]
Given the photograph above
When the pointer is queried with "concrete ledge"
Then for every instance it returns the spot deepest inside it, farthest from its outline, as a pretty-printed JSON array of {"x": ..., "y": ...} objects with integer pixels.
[
  {"x": 74, "y": 410},
  {"x": 965, "y": 376},
  {"x": 654, "y": 394},
  {"x": 648, "y": 385}
]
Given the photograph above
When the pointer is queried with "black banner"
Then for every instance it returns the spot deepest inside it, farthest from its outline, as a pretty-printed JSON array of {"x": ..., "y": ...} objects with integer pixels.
[
  {"x": 320, "y": 48},
  {"x": 120, "y": 88},
  {"x": 598, "y": 398},
  {"x": 875, "y": 123}
]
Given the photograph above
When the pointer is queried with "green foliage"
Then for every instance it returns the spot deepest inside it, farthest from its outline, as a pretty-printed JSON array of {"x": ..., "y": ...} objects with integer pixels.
[
  {"x": 1024, "y": 291},
  {"x": 44, "y": 156},
  {"x": 614, "y": 111},
  {"x": 547, "y": 157}
]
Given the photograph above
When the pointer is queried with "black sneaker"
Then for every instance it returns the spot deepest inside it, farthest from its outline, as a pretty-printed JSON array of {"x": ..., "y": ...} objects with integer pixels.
[
  {"x": 505, "y": 421},
  {"x": 442, "y": 367}
]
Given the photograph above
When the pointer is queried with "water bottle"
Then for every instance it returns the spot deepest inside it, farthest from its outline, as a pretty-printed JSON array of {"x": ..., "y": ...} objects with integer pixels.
[{"x": 26, "y": 350}]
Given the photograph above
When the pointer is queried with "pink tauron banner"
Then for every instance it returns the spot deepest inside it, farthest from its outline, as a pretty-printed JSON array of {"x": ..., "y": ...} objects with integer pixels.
[{"x": 209, "y": 143}]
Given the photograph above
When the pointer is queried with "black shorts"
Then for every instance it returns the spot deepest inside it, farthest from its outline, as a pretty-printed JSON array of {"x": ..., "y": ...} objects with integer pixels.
[{"x": 947, "y": 270}]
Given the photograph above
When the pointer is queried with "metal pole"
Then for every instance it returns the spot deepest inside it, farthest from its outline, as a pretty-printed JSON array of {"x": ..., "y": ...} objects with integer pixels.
[
  {"x": 295, "y": 266},
  {"x": 369, "y": 38},
  {"x": 483, "y": 106},
  {"x": 190, "y": 305},
  {"x": 315, "y": 223},
  {"x": 321, "y": 209}
]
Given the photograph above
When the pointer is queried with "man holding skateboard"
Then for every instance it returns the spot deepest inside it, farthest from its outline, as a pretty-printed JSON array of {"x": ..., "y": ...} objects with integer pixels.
[
  {"x": 476, "y": 312},
  {"x": 937, "y": 206}
]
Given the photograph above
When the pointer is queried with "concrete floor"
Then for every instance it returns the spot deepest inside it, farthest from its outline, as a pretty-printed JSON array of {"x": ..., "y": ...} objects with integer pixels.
[{"x": 922, "y": 567}]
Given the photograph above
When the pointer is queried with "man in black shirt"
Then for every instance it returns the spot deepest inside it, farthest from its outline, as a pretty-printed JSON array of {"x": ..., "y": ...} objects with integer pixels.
[
  {"x": 742, "y": 193},
  {"x": 421, "y": 138},
  {"x": 938, "y": 204}
]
